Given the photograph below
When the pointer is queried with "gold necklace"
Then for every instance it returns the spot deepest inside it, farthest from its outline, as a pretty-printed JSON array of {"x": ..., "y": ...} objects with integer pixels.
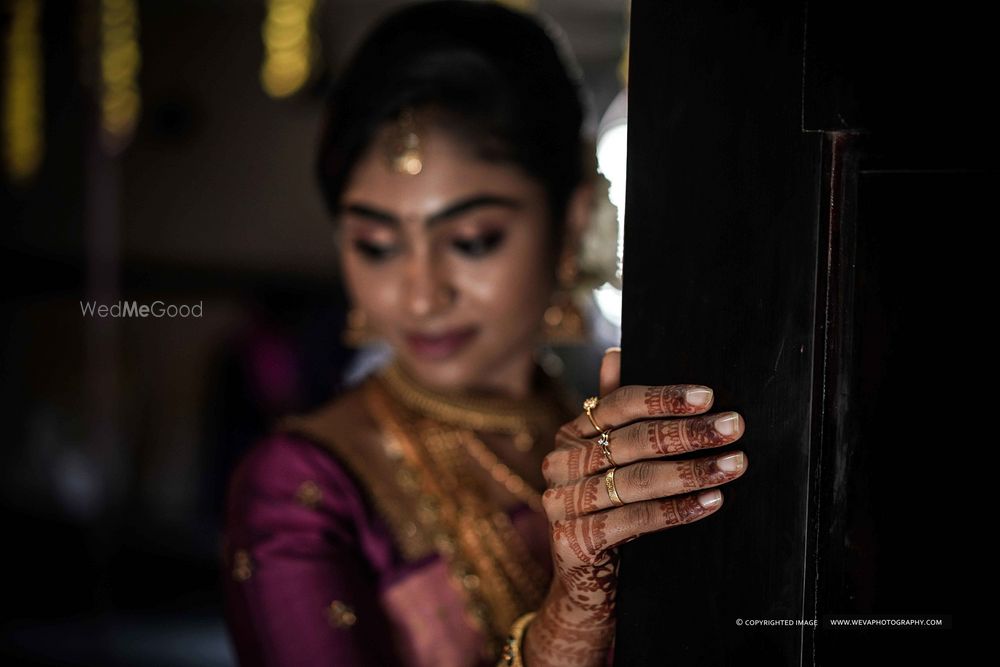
[
  {"x": 501, "y": 472},
  {"x": 486, "y": 556},
  {"x": 523, "y": 419}
]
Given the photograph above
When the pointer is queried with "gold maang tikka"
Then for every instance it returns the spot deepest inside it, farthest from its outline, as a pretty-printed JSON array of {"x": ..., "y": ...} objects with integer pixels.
[{"x": 403, "y": 151}]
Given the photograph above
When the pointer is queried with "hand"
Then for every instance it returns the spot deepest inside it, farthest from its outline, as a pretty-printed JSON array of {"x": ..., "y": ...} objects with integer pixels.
[{"x": 576, "y": 623}]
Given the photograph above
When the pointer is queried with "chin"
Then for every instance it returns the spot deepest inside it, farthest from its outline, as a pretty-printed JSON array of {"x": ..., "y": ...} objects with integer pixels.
[{"x": 447, "y": 375}]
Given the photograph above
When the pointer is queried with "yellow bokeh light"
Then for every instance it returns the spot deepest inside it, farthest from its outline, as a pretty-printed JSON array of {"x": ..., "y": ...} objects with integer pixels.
[
  {"x": 288, "y": 46},
  {"x": 121, "y": 59},
  {"x": 23, "y": 110}
]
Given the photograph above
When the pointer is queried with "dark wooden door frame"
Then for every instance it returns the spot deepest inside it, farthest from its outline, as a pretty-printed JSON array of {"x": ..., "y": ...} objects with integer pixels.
[{"x": 766, "y": 143}]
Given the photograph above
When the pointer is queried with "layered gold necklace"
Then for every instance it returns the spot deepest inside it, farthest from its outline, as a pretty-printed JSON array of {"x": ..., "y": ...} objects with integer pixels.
[
  {"x": 434, "y": 436},
  {"x": 524, "y": 420}
]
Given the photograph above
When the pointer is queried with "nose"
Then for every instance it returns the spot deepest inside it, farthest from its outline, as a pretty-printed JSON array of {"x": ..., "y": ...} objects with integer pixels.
[{"x": 428, "y": 290}]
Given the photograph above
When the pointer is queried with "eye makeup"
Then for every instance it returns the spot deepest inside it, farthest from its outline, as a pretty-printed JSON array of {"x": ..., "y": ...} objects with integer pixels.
[
  {"x": 480, "y": 245},
  {"x": 373, "y": 252},
  {"x": 473, "y": 246},
  {"x": 372, "y": 242}
]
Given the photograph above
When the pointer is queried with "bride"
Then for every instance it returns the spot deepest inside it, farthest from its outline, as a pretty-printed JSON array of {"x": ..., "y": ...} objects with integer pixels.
[{"x": 453, "y": 507}]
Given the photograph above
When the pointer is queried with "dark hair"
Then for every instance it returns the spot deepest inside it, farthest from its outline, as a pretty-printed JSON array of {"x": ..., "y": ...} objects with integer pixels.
[{"x": 495, "y": 74}]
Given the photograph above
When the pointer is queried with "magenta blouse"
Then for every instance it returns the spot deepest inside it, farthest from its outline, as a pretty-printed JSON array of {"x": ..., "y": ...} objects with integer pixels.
[{"x": 314, "y": 577}]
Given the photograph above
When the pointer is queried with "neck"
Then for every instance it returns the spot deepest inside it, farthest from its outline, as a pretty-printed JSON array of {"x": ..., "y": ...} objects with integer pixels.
[
  {"x": 486, "y": 397},
  {"x": 482, "y": 410},
  {"x": 515, "y": 381}
]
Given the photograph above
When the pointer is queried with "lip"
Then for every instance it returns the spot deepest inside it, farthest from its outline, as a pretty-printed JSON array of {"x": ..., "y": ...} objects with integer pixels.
[{"x": 439, "y": 346}]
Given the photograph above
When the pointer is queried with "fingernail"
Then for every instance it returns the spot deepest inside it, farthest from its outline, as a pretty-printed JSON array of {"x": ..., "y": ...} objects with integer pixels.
[
  {"x": 699, "y": 397},
  {"x": 710, "y": 499},
  {"x": 727, "y": 424},
  {"x": 731, "y": 462},
  {"x": 614, "y": 348}
]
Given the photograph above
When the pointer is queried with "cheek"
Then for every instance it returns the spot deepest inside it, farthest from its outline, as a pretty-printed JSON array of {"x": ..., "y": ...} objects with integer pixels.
[
  {"x": 373, "y": 289},
  {"x": 515, "y": 285}
]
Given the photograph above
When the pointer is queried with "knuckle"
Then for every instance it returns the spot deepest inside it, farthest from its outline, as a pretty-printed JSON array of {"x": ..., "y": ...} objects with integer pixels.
[
  {"x": 633, "y": 436},
  {"x": 566, "y": 434},
  {"x": 547, "y": 504},
  {"x": 638, "y": 517},
  {"x": 627, "y": 395},
  {"x": 640, "y": 475},
  {"x": 594, "y": 460},
  {"x": 592, "y": 489},
  {"x": 551, "y": 503},
  {"x": 560, "y": 530},
  {"x": 550, "y": 464}
]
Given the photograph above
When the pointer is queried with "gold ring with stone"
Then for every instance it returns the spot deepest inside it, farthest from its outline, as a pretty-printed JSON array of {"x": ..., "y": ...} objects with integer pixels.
[
  {"x": 609, "y": 483},
  {"x": 605, "y": 444},
  {"x": 589, "y": 405}
]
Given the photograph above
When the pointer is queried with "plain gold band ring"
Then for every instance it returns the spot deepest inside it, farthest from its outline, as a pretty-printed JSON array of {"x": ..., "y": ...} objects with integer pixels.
[{"x": 609, "y": 483}]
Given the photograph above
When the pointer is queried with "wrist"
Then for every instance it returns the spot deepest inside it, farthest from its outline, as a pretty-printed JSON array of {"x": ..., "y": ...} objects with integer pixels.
[
  {"x": 597, "y": 615},
  {"x": 513, "y": 650},
  {"x": 567, "y": 633}
]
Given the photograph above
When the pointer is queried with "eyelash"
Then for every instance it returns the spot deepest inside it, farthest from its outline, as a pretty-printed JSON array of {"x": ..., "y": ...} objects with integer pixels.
[
  {"x": 372, "y": 252},
  {"x": 480, "y": 246},
  {"x": 475, "y": 247}
]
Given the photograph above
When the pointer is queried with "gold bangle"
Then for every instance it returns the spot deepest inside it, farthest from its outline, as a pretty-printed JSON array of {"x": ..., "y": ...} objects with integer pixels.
[{"x": 511, "y": 656}]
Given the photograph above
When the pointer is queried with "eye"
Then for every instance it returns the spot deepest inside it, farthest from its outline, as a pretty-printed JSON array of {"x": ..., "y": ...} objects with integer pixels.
[
  {"x": 479, "y": 245},
  {"x": 373, "y": 252}
]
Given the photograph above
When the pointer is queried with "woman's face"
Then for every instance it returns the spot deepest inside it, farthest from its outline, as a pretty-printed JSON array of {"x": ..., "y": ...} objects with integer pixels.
[{"x": 451, "y": 265}]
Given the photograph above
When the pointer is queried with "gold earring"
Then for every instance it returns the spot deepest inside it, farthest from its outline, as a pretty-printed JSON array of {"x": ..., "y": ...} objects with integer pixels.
[
  {"x": 357, "y": 330},
  {"x": 564, "y": 323}
]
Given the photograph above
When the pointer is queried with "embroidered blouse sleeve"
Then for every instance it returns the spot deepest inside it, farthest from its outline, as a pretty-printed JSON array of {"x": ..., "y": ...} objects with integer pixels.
[{"x": 300, "y": 584}]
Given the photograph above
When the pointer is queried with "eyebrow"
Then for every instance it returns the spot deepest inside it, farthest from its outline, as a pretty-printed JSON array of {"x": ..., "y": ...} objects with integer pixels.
[{"x": 453, "y": 210}]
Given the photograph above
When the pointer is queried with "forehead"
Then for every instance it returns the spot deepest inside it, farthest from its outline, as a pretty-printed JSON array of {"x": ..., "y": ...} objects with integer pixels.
[{"x": 449, "y": 171}]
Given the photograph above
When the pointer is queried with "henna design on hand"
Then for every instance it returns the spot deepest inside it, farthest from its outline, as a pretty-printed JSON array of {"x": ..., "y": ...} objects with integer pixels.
[
  {"x": 574, "y": 500},
  {"x": 699, "y": 473},
  {"x": 669, "y": 437},
  {"x": 576, "y": 623},
  {"x": 577, "y": 626},
  {"x": 644, "y": 480},
  {"x": 682, "y": 511},
  {"x": 670, "y": 400},
  {"x": 573, "y": 458}
]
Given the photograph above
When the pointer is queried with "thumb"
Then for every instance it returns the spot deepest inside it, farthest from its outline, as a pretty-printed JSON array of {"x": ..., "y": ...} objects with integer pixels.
[{"x": 611, "y": 370}]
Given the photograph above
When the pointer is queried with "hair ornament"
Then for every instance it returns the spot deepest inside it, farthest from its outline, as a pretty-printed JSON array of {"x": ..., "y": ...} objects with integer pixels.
[{"x": 404, "y": 154}]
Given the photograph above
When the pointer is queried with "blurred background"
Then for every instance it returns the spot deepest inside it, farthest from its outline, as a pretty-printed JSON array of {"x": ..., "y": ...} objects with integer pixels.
[{"x": 161, "y": 150}]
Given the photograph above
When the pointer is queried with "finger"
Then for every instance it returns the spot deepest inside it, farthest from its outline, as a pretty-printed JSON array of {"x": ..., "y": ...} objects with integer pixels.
[
  {"x": 611, "y": 366},
  {"x": 646, "y": 480},
  {"x": 632, "y": 402},
  {"x": 576, "y": 457},
  {"x": 624, "y": 524}
]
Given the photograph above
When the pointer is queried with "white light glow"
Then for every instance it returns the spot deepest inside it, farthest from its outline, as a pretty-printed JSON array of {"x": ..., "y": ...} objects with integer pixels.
[{"x": 612, "y": 147}]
